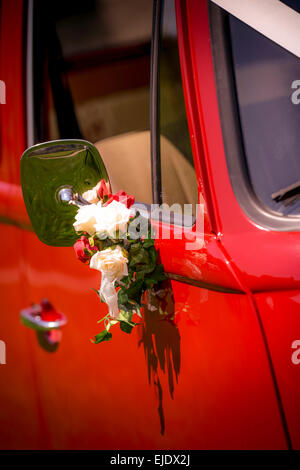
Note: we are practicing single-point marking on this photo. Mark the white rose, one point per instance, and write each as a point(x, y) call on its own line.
point(85, 218)
point(91, 196)
point(111, 262)
point(113, 266)
point(113, 217)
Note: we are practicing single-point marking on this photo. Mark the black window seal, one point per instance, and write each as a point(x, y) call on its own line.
point(231, 129)
point(154, 102)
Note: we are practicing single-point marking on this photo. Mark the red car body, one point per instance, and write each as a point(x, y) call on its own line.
point(221, 377)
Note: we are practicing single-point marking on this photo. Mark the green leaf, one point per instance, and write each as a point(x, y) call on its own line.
point(149, 266)
point(140, 275)
point(152, 253)
point(125, 280)
point(135, 247)
point(122, 296)
point(125, 307)
point(126, 324)
point(137, 308)
point(135, 290)
point(128, 241)
point(140, 259)
point(156, 276)
point(95, 290)
point(103, 336)
point(148, 242)
point(126, 327)
point(126, 315)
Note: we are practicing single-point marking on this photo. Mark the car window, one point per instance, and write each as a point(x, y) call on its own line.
point(92, 79)
point(178, 175)
point(106, 51)
point(267, 79)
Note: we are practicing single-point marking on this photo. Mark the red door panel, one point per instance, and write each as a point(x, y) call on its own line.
point(280, 314)
point(120, 393)
point(21, 424)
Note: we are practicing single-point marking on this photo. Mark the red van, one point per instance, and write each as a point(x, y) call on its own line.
point(187, 102)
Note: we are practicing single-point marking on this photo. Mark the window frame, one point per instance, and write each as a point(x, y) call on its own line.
point(155, 102)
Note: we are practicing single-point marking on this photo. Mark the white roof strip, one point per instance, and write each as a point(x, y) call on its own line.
point(272, 18)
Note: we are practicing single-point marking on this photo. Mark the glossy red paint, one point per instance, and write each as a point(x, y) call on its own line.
point(280, 316)
point(209, 380)
point(12, 207)
point(12, 114)
point(205, 379)
point(20, 411)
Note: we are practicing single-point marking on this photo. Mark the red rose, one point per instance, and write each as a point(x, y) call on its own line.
point(103, 190)
point(123, 197)
point(81, 247)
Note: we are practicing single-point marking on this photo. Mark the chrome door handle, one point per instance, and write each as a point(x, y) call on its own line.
point(43, 317)
point(47, 323)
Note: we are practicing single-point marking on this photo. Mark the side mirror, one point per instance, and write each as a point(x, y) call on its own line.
point(51, 173)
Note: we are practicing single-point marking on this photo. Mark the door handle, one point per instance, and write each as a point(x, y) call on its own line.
point(46, 321)
point(43, 317)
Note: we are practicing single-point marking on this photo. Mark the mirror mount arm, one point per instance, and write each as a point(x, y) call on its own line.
point(66, 196)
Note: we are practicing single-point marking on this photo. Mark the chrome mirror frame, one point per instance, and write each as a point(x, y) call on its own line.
point(53, 174)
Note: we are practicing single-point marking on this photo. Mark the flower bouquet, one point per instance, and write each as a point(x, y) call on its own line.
point(117, 241)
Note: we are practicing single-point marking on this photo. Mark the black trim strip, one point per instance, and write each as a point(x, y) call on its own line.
point(154, 103)
point(253, 304)
point(204, 285)
point(274, 377)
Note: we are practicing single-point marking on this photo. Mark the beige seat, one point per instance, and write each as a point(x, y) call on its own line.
point(127, 160)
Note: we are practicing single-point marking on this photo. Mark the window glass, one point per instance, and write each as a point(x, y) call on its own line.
point(178, 174)
point(267, 78)
point(99, 79)
point(93, 62)
point(106, 50)
point(103, 24)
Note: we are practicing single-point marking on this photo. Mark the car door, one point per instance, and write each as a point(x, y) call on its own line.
point(199, 376)
point(260, 133)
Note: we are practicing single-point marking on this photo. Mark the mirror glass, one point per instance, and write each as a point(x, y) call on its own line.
point(49, 170)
